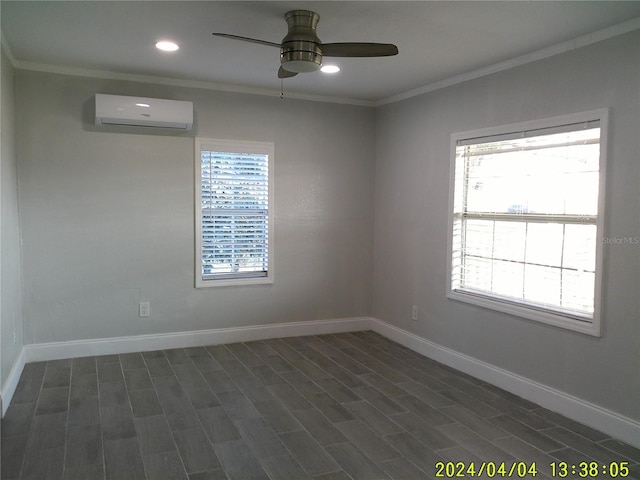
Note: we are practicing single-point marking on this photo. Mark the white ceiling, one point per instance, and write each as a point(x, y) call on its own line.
point(437, 40)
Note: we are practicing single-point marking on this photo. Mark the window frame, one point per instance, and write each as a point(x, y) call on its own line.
point(243, 147)
point(514, 307)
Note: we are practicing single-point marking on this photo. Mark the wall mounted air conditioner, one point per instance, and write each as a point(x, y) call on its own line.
point(143, 112)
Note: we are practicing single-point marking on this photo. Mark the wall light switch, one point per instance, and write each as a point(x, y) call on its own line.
point(144, 309)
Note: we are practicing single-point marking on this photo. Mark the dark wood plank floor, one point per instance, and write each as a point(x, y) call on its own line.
point(331, 407)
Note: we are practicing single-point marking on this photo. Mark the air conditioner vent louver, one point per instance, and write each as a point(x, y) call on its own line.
point(143, 112)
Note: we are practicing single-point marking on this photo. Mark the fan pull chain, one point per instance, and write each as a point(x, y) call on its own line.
point(281, 89)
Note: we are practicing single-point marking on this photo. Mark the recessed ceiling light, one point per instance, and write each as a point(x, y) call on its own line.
point(166, 46)
point(330, 69)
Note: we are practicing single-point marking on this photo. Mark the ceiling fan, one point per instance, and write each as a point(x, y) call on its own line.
point(301, 50)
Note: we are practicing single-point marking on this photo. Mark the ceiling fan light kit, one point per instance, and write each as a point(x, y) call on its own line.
point(301, 50)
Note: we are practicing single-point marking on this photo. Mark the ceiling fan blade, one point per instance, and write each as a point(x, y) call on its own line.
point(247, 39)
point(354, 49)
point(282, 73)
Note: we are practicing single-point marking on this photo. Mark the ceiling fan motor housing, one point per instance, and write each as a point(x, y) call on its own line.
point(300, 50)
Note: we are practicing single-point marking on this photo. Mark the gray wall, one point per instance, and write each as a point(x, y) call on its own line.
point(108, 214)
point(11, 319)
point(411, 206)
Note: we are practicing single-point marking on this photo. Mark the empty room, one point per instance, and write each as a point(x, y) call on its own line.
point(323, 240)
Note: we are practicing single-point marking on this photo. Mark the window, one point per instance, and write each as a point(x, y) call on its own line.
point(527, 204)
point(234, 215)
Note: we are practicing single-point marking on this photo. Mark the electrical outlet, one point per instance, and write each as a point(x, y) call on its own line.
point(414, 313)
point(144, 309)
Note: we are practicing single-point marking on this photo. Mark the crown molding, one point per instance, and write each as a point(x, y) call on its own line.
point(181, 82)
point(569, 45)
point(7, 49)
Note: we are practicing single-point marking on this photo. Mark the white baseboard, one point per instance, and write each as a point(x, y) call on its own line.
point(141, 343)
point(42, 352)
point(594, 416)
point(611, 423)
point(11, 383)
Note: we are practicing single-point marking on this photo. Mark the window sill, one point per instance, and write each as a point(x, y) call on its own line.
point(233, 282)
point(549, 317)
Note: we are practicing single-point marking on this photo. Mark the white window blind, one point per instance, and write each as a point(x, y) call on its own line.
point(234, 212)
point(526, 217)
